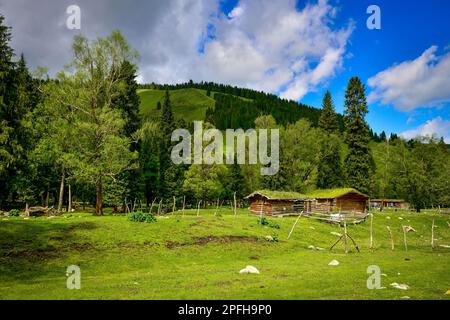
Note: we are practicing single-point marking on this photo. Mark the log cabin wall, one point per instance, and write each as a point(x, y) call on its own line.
point(270, 207)
point(351, 202)
point(321, 206)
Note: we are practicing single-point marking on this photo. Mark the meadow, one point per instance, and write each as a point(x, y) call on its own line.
point(199, 257)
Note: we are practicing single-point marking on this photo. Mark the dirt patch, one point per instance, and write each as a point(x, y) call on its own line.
point(136, 245)
point(33, 254)
point(202, 241)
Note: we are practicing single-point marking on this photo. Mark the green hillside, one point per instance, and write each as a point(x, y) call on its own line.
point(188, 104)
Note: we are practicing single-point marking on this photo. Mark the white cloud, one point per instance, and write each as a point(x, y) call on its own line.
point(271, 46)
point(437, 126)
point(423, 82)
point(265, 45)
point(236, 12)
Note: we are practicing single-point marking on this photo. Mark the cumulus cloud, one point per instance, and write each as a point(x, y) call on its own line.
point(422, 82)
point(269, 45)
point(437, 126)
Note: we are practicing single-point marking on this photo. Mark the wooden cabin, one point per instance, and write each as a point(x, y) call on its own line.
point(344, 200)
point(389, 203)
point(326, 201)
point(269, 202)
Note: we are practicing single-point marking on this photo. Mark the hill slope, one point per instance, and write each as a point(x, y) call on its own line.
point(188, 104)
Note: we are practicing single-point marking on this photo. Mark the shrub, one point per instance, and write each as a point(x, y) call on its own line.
point(139, 216)
point(264, 222)
point(14, 213)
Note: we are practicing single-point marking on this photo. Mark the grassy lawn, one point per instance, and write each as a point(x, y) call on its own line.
point(187, 104)
point(190, 257)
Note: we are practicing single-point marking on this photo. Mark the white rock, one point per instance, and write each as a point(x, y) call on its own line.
point(400, 218)
point(389, 218)
point(444, 246)
point(268, 238)
point(312, 228)
point(384, 274)
point(401, 286)
point(333, 263)
point(315, 248)
point(249, 269)
point(336, 234)
point(405, 297)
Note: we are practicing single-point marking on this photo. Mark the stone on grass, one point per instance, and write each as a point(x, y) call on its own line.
point(249, 269)
point(315, 248)
point(401, 286)
point(333, 263)
point(405, 297)
point(268, 238)
point(448, 292)
point(336, 234)
point(444, 246)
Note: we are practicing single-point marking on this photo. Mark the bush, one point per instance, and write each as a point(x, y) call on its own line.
point(264, 222)
point(14, 213)
point(139, 216)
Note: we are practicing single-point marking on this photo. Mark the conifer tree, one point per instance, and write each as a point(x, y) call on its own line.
point(329, 168)
point(358, 163)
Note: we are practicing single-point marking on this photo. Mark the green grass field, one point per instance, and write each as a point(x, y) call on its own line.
point(187, 104)
point(199, 257)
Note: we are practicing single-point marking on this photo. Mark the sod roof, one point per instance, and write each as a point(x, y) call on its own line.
point(278, 195)
point(332, 193)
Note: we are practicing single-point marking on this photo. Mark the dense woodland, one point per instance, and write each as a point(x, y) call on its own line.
point(79, 136)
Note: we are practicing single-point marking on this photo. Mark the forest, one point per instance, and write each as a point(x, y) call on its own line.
point(79, 139)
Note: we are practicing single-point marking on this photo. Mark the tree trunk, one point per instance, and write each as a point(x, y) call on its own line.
point(69, 209)
point(47, 197)
point(98, 199)
point(61, 191)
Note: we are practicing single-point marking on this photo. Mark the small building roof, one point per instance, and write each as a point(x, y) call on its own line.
point(278, 195)
point(387, 200)
point(333, 193)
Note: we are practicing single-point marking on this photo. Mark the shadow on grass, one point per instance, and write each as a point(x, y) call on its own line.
point(27, 248)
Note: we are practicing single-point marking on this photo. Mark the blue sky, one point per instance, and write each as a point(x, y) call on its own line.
point(408, 28)
point(297, 49)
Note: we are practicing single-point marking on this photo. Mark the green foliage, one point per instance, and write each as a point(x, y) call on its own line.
point(267, 223)
point(14, 213)
point(139, 216)
point(328, 121)
point(358, 164)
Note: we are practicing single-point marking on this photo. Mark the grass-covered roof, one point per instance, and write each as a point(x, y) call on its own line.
point(278, 195)
point(317, 194)
point(332, 193)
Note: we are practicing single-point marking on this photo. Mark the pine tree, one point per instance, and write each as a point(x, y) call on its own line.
point(166, 126)
point(236, 181)
point(17, 97)
point(328, 119)
point(358, 163)
point(329, 168)
point(128, 100)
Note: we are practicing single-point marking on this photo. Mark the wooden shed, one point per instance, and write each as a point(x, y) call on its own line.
point(345, 200)
point(270, 202)
point(389, 203)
